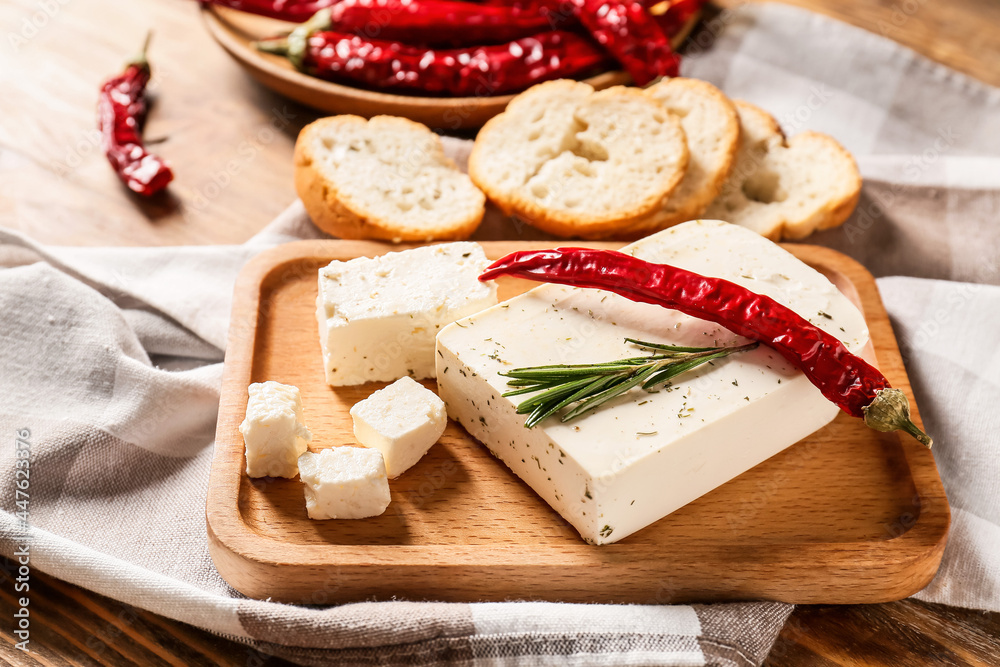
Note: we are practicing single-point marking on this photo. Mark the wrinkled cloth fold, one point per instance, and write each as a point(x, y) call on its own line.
point(111, 362)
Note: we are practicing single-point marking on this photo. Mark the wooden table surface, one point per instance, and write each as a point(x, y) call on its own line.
point(230, 143)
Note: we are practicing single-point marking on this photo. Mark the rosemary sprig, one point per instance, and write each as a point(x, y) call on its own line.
point(590, 385)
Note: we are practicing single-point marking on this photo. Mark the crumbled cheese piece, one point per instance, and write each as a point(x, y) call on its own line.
point(402, 421)
point(344, 483)
point(378, 316)
point(273, 430)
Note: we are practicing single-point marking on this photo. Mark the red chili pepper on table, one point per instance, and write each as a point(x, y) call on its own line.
point(480, 71)
point(632, 36)
point(121, 111)
point(847, 380)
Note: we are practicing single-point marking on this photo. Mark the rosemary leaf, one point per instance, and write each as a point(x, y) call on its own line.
point(589, 386)
point(530, 388)
point(676, 369)
point(525, 382)
point(563, 370)
point(606, 395)
point(542, 412)
point(557, 392)
point(669, 348)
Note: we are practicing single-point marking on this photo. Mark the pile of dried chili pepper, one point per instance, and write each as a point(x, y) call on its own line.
point(461, 72)
point(847, 380)
point(121, 112)
point(426, 46)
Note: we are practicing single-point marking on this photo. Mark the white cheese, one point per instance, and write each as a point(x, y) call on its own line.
point(644, 455)
point(402, 421)
point(273, 430)
point(378, 316)
point(344, 483)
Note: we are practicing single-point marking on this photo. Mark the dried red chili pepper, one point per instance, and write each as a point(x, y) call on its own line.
point(480, 71)
point(296, 11)
point(446, 22)
point(632, 36)
point(673, 15)
point(121, 111)
point(421, 22)
point(847, 380)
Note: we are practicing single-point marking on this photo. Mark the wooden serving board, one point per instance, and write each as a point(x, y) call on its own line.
point(847, 515)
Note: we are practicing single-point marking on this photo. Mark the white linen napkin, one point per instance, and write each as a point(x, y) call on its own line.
point(110, 363)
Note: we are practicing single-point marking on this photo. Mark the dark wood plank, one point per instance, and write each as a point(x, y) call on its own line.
point(895, 634)
point(47, 653)
point(71, 626)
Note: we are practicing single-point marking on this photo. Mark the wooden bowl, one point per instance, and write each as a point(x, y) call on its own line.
point(235, 31)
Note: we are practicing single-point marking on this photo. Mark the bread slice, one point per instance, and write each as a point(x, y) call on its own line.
point(712, 129)
point(786, 189)
point(575, 162)
point(384, 178)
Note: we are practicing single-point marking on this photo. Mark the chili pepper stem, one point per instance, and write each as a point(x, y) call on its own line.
point(659, 9)
point(276, 46)
point(890, 411)
point(140, 60)
point(298, 39)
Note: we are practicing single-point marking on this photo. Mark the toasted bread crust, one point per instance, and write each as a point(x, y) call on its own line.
point(708, 116)
point(338, 213)
point(574, 102)
point(837, 210)
point(800, 203)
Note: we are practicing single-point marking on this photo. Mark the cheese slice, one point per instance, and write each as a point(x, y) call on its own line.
point(642, 456)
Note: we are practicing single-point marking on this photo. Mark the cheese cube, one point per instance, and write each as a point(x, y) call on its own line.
point(344, 483)
point(643, 455)
point(402, 421)
point(378, 316)
point(273, 430)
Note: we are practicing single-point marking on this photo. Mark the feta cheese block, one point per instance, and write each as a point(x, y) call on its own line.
point(273, 431)
point(344, 483)
point(402, 421)
point(643, 455)
point(378, 316)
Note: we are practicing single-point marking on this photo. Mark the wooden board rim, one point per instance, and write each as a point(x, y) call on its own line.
point(234, 545)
